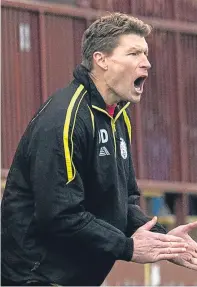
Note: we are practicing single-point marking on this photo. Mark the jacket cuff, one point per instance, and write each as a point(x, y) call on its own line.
point(128, 250)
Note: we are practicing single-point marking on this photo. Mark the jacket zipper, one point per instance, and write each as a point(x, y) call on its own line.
point(113, 125)
point(113, 121)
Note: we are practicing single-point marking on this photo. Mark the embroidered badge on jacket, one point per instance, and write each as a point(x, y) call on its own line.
point(123, 148)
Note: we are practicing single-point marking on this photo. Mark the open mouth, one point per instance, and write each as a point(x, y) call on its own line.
point(139, 83)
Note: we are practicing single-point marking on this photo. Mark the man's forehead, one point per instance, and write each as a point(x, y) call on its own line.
point(133, 41)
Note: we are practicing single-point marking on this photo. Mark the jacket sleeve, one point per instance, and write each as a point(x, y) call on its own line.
point(57, 183)
point(136, 217)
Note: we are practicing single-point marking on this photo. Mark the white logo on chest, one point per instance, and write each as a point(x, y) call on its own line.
point(123, 148)
point(103, 136)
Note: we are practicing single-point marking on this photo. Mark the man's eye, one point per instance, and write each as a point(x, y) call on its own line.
point(133, 53)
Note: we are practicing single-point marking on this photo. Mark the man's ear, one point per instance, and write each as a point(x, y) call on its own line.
point(99, 59)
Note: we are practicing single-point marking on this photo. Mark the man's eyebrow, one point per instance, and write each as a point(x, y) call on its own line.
point(138, 49)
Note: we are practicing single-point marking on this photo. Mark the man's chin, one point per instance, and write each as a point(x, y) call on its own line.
point(135, 98)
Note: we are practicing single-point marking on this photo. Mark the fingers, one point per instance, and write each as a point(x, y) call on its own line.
point(149, 224)
point(192, 250)
point(171, 244)
point(169, 238)
point(190, 265)
point(191, 255)
point(167, 256)
point(171, 250)
point(194, 261)
point(170, 253)
point(194, 244)
point(189, 227)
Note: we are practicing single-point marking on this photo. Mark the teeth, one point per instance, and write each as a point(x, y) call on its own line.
point(138, 89)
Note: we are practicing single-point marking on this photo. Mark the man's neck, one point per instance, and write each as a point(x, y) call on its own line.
point(109, 98)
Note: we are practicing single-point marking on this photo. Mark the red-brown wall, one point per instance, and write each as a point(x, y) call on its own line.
point(23, 68)
point(21, 95)
point(63, 39)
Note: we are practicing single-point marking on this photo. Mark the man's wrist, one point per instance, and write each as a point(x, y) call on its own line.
point(128, 251)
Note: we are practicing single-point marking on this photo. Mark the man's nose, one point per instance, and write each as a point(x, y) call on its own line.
point(145, 63)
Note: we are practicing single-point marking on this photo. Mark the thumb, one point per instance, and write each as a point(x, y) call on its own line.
point(149, 224)
point(190, 226)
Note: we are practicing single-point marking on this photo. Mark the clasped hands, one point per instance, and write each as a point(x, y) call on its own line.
point(176, 246)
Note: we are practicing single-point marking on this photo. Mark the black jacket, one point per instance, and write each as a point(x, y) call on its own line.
point(70, 202)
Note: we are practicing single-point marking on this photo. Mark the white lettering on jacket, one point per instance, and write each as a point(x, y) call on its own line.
point(103, 136)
